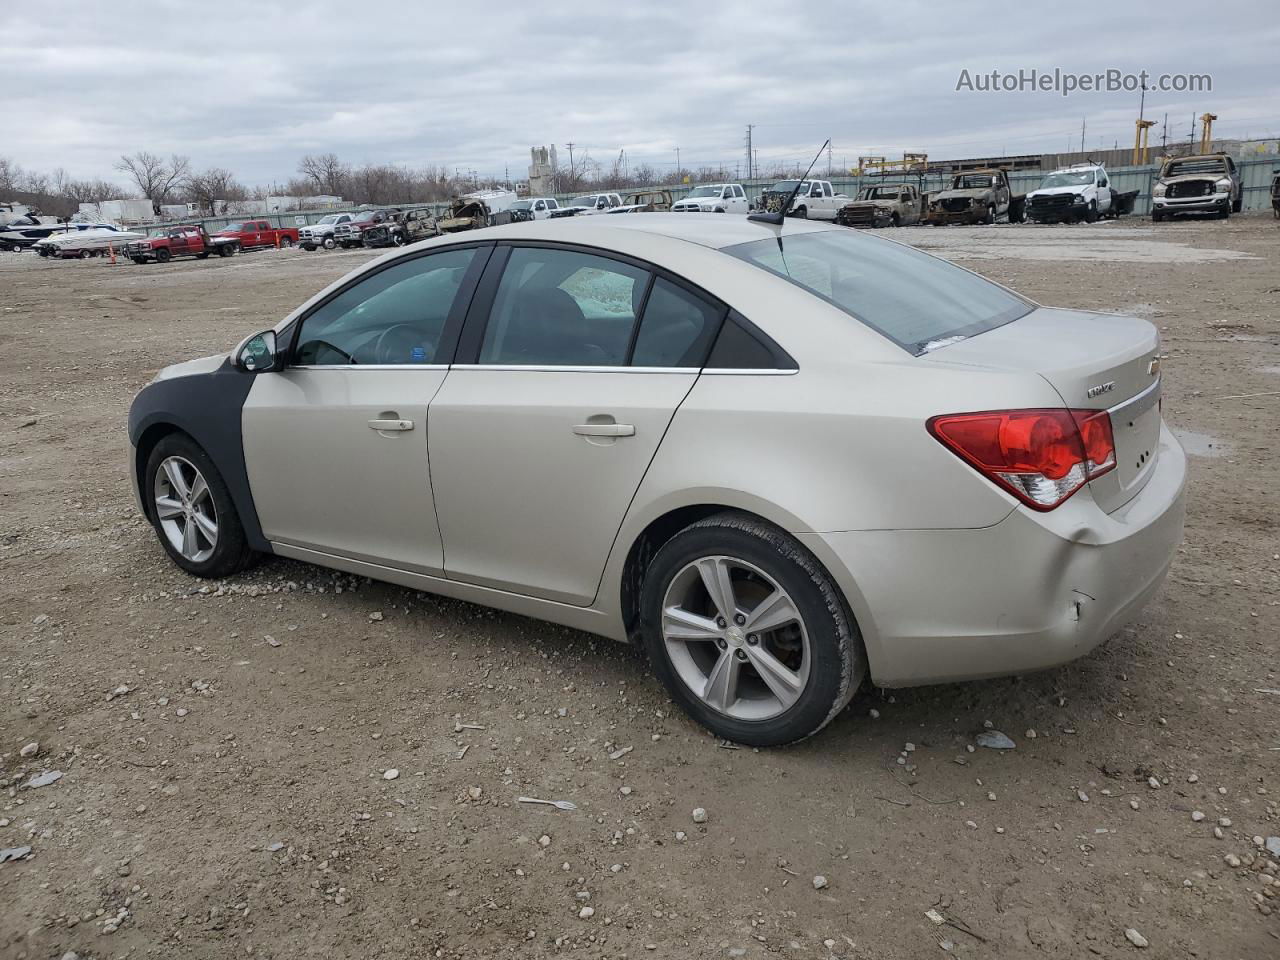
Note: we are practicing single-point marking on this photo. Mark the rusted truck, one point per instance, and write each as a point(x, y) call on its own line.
point(976, 196)
point(1202, 184)
point(883, 205)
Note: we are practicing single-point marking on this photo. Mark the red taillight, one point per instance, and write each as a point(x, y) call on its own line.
point(1040, 456)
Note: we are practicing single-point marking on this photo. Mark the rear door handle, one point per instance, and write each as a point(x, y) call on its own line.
point(390, 425)
point(605, 430)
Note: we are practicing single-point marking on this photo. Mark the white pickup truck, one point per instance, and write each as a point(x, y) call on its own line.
point(713, 198)
point(321, 233)
point(1079, 192)
point(815, 199)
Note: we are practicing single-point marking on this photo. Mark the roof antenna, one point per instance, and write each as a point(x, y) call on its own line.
point(777, 218)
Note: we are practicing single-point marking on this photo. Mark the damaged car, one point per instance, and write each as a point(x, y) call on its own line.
point(883, 205)
point(975, 196)
point(1203, 184)
point(412, 226)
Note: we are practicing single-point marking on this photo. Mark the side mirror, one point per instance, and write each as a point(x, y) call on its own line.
point(257, 353)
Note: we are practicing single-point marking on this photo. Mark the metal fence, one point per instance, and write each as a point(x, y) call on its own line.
point(1255, 178)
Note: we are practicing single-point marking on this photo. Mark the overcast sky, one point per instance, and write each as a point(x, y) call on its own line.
point(252, 85)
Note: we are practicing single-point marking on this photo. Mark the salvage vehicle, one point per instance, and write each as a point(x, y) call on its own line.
point(1202, 184)
point(588, 204)
point(184, 240)
point(883, 205)
point(94, 242)
point(976, 196)
point(645, 201)
point(1082, 191)
point(533, 208)
point(486, 208)
point(713, 198)
point(320, 233)
point(412, 226)
point(815, 200)
point(251, 234)
point(351, 233)
point(1275, 194)
point(644, 427)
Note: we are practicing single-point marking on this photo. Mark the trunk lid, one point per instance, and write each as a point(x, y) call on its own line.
point(1094, 361)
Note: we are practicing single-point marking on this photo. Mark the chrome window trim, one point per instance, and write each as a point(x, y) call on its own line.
point(554, 368)
point(748, 372)
point(368, 366)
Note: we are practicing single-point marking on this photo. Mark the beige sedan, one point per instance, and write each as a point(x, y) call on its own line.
point(785, 458)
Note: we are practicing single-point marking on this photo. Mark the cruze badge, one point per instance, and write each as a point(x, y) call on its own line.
point(1101, 388)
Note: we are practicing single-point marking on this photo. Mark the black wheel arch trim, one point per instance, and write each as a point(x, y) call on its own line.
point(207, 407)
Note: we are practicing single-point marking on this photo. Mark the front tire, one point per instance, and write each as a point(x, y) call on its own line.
point(329, 243)
point(162, 255)
point(191, 510)
point(748, 633)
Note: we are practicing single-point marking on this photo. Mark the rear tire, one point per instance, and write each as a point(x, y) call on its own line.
point(805, 629)
point(286, 243)
point(177, 456)
point(802, 213)
point(203, 256)
point(85, 254)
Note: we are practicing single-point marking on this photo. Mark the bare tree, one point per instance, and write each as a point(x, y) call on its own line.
point(326, 172)
point(154, 176)
point(11, 177)
point(215, 184)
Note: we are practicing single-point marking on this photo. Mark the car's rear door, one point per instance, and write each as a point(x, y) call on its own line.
point(336, 443)
point(553, 411)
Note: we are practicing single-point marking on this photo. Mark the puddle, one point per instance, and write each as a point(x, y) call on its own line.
point(1200, 444)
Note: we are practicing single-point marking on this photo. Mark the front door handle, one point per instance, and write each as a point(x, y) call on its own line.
point(605, 430)
point(390, 425)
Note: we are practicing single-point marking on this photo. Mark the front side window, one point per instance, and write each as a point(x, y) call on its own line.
point(394, 316)
point(913, 299)
point(563, 308)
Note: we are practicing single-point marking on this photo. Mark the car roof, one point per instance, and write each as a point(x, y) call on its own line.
point(714, 230)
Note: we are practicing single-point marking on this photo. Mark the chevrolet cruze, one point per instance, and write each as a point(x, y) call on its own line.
point(784, 458)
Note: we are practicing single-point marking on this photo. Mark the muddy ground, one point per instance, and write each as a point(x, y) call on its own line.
point(223, 794)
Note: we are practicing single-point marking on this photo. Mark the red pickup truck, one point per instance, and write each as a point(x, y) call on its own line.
point(259, 233)
point(185, 240)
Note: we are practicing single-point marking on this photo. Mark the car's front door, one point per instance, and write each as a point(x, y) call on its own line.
point(571, 367)
point(336, 443)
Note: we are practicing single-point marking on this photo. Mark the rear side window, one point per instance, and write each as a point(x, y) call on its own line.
point(915, 300)
point(563, 308)
point(677, 328)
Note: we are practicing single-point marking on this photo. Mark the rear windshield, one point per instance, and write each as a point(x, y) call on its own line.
point(917, 301)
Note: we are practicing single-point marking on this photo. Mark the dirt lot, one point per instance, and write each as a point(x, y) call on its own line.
point(223, 793)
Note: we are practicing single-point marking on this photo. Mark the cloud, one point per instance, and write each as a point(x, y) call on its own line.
point(252, 86)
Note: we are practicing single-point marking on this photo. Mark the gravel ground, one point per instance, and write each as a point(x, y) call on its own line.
point(227, 750)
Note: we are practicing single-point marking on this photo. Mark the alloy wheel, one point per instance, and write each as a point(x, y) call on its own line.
point(736, 638)
point(184, 506)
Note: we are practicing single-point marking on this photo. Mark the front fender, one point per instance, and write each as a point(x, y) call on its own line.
point(207, 407)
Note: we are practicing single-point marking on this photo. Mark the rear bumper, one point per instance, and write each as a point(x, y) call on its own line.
point(1033, 591)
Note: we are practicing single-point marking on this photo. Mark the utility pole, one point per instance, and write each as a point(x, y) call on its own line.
point(677, 163)
point(572, 175)
point(750, 126)
point(1164, 133)
point(1082, 134)
point(828, 158)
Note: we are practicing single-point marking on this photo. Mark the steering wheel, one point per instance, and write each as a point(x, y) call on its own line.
point(387, 350)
